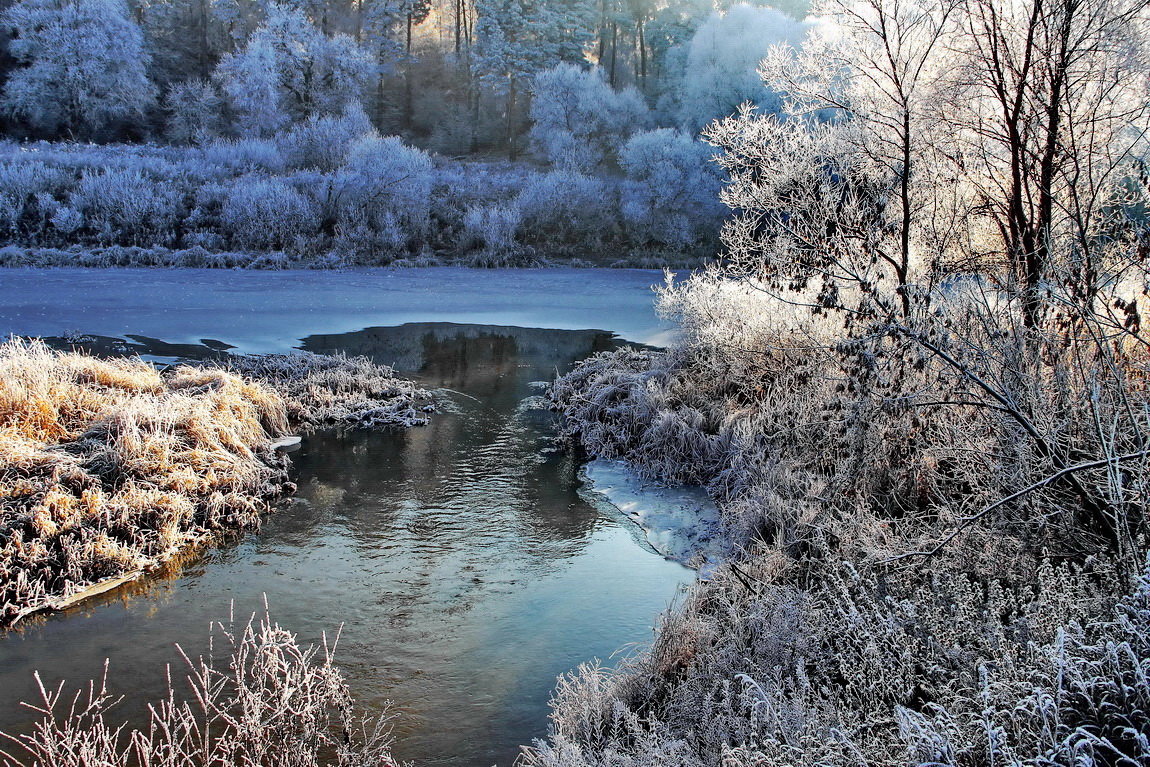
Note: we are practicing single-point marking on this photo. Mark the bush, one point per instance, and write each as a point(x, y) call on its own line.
point(671, 195)
point(369, 199)
point(22, 182)
point(266, 213)
point(491, 228)
point(127, 207)
point(322, 141)
point(386, 185)
point(245, 155)
point(566, 208)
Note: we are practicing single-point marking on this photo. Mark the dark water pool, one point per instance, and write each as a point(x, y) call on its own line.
point(461, 559)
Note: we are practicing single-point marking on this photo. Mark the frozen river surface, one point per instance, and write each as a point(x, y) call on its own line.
point(261, 311)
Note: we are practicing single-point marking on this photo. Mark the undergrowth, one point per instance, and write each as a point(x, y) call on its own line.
point(916, 581)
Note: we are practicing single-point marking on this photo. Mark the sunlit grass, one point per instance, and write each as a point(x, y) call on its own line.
point(109, 467)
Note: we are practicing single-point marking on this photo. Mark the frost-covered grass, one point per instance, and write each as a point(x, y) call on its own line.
point(853, 668)
point(108, 467)
point(258, 697)
point(335, 391)
point(331, 192)
point(915, 582)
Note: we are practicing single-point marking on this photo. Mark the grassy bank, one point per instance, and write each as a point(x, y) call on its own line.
point(108, 467)
point(926, 573)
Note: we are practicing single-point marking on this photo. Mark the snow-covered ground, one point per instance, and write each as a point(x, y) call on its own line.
point(681, 523)
point(261, 311)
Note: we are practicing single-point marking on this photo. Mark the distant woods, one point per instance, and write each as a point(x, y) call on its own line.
point(372, 131)
point(453, 76)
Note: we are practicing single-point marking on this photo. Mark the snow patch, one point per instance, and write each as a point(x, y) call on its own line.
point(680, 523)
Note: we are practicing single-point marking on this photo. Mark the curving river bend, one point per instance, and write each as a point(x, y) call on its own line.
point(465, 564)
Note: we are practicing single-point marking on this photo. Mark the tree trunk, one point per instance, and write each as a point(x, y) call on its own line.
point(511, 121)
point(408, 92)
point(614, 50)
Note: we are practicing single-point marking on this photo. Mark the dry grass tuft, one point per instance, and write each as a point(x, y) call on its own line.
point(109, 467)
point(273, 703)
point(324, 391)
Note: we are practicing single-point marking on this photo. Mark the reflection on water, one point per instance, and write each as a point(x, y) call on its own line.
point(459, 556)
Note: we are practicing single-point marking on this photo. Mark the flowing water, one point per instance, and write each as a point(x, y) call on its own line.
point(464, 563)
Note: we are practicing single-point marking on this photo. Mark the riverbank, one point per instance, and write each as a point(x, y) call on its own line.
point(909, 581)
point(346, 199)
point(110, 467)
point(198, 257)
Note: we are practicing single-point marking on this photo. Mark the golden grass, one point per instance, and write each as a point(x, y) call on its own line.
point(107, 466)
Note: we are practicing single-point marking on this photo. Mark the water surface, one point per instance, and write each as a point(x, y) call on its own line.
point(466, 567)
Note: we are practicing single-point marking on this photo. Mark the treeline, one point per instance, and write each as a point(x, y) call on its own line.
point(244, 128)
point(453, 76)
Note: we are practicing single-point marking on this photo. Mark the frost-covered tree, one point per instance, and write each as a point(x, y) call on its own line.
point(289, 70)
point(671, 195)
point(722, 60)
point(85, 67)
point(867, 180)
point(1053, 112)
point(187, 38)
point(515, 39)
point(578, 120)
point(193, 111)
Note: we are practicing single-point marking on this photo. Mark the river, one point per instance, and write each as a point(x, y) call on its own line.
point(464, 562)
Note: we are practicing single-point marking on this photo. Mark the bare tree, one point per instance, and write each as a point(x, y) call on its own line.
point(1052, 106)
point(841, 189)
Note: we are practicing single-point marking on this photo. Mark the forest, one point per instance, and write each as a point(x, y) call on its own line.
point(275, 134)
point(907, 365)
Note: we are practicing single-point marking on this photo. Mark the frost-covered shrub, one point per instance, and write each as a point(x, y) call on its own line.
point(671, 195)
point(245, 155)
point(322, 141)
point(22, 180)
point(578, 120)
point(722, 63)
point(386, 185)
point(491, 227)
point(564, 207)
point(266, 213)
point(66, 219)
point(126, 206)
point(21, 183)
point(193, 112)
